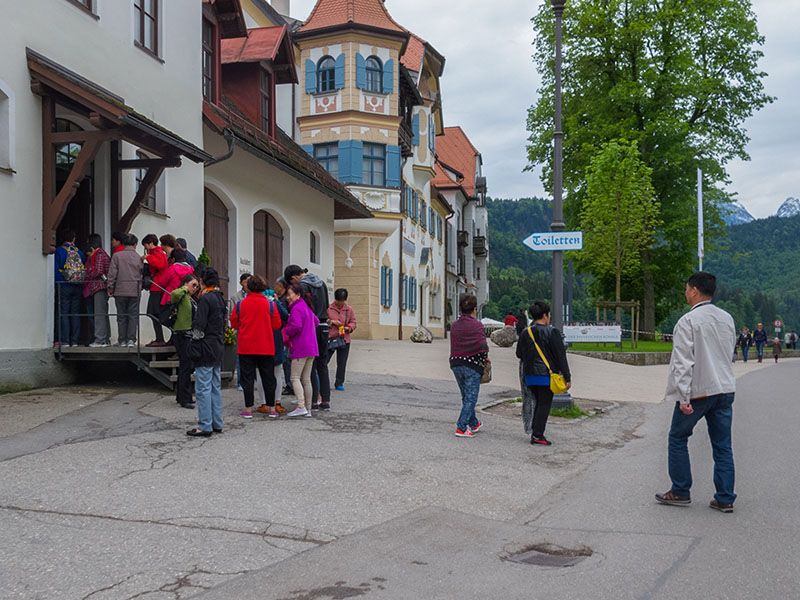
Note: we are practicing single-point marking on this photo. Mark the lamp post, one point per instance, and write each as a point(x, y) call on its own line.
point(559, 400)
point(558, 209)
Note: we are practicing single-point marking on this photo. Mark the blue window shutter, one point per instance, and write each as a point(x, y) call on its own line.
point(392, 166)
point(388, 76)
point(361, 72)
point(309, 148)
point(391, 287)
point(339, 72)
point(415, 129)
point(356, 161)
point(311, 77)
point(383, 285)
point(404, 293)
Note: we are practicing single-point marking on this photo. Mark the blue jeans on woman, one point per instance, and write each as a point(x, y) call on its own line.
point(69, 297)
point(718, 411)
point(208, 394)
point(469, 382)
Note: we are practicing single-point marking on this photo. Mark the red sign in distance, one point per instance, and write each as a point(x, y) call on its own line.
point(778, 323)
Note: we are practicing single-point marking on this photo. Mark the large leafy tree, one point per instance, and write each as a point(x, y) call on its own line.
point(676, 77)
point(619, 216)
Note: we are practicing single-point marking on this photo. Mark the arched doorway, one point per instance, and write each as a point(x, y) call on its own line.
point(267, 246)
point(215, 235)
point(79, 216)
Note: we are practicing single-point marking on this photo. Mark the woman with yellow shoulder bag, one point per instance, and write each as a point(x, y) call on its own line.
point(544, 366)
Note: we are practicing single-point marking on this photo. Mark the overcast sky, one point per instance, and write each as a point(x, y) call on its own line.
point(490, 81)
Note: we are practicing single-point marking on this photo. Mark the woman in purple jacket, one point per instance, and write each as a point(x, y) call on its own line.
point(300, 335)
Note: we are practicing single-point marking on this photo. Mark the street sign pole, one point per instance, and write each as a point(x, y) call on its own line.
point(557, 310)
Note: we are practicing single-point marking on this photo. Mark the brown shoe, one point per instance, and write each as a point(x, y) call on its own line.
point(279, 408)
point(263, 409)
point(726, 508)
point(673, 500)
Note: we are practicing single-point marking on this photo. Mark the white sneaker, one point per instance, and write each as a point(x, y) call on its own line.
point(308, 414)
point(298, 412)
point(98, 345)
point(131, 344)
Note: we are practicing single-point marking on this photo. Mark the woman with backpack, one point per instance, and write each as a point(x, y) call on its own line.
point(69, 276)
point(255, 318)
point(182, 298)
point(300, 335)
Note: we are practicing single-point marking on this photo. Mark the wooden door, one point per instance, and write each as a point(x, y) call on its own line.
point(267, 246)
point(215, 235)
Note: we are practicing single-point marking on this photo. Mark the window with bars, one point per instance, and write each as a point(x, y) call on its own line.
point(266, 93)
point(150, 200)
point(374, 165)
point(328, 156)
point(146, 24)
point(209, 56)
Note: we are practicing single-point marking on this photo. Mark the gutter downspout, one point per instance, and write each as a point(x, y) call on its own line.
point(400, 269)
point(446, 265)
point(229, 137)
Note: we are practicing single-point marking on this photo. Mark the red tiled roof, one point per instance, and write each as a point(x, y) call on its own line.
point(412, 57)
point(260, 44)
point(455, 150)
point(331, 13)
point(443, 180)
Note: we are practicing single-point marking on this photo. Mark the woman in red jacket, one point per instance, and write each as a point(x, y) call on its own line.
point(256, 318)
point(156, 261)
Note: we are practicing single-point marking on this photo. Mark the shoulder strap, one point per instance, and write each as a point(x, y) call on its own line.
point(539, 350)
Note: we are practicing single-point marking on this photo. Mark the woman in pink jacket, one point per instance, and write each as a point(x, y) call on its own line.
point(300, 334)
point(171, 278)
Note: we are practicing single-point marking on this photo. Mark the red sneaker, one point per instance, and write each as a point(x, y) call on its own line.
point(466, 433)
point(477, 427)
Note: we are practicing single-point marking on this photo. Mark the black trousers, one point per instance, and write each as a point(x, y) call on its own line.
point(265, 364)
point(183, 388)
point(341, 363)
point(154, 312)
point(323, 386)
point(544, 400)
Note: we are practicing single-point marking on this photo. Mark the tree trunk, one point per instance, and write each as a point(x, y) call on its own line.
point(648, 322)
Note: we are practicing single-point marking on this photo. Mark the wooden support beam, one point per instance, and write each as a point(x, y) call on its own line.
point(67, 137)
point(115, 184)
point(150, 179)
point(48, 173)
point(146, 163)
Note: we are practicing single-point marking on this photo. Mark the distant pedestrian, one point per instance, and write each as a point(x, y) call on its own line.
point(118, 241)
point(542, 351)
point(312, 284)
point(760, 340)
point(280, 295)
point(744, 341)
point(510, 320)
point(95, 291)
point(205, 350)
point(125, 286)
point(300, 335)
point(793, 340)
point(235, 299)
point(342, 320)
point(776, 349)
point(69, 276)
point(522, 322)
point(787, 339)
point(255, 318)
point(469, 353)
point(702, 384)
point(190, 258)
point(183, 297)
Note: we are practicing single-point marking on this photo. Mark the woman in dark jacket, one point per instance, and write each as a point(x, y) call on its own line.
point(206, 351)
point(469, 352)
point(534, 369)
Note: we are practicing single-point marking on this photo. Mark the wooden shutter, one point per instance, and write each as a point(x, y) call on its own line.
point(274, 249)
point(215, 234)
point(260, 243)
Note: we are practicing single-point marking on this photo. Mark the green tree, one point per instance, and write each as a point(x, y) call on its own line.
point(678, 78)
point(619, 216)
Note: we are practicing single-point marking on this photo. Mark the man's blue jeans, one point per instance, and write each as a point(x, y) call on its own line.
point(469, 382)
point(760, 350)
point(718, 412)
point(69, 296)
point(745, 349)
point(208, 393)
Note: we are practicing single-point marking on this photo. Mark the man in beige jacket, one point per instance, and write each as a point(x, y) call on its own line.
point(702, 384)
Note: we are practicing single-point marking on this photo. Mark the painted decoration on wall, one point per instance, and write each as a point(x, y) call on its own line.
point(325, 104)
point(374, 104)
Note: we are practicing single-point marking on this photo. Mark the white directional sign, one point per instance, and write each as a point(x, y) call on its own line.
point(554, 240)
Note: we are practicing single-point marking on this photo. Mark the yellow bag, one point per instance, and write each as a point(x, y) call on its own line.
point(558, 384)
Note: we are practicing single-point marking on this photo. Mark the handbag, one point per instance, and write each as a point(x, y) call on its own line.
point(558, 384)
point(486, 377)
point(335, 343)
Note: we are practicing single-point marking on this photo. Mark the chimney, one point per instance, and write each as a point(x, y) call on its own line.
point(281, 6)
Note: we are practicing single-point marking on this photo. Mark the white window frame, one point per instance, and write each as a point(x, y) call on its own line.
point(8, 128)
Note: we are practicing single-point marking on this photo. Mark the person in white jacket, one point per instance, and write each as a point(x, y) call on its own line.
point(702, 384)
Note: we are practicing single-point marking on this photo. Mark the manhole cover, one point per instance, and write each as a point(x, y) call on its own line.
point(550, 555)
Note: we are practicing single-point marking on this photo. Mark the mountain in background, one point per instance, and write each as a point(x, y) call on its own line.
point(734, 213)
point(789, 208)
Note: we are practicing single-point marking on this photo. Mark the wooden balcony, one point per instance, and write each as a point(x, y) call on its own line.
point(479, 246)
point(405, 137)
point(462, 238)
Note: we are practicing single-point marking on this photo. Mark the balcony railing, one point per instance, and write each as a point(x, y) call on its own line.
point(479, 245)
point(463, 237)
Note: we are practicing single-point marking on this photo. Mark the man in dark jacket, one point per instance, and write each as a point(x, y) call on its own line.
point(759, 339)
point(206, 352)
point(313, 285)
point(536, 371)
